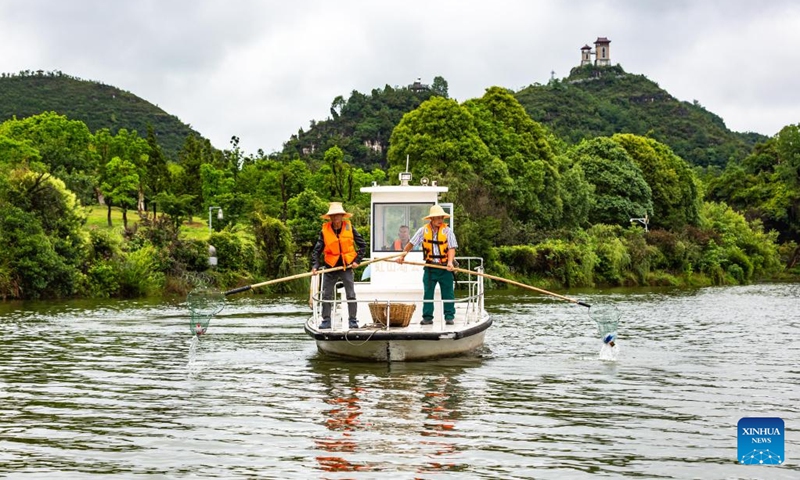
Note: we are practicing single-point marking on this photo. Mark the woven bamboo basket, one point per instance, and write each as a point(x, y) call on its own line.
point(399, 313)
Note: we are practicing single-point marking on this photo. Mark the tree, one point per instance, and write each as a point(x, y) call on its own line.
point(121, 186)
point(13, 152)
point(340, 178)
point(742, 249)
point(531, 184)
point(788, 146)
point(765, 186)
point(196, 152)
point(42, 244)
point(275, 244)
point(233, 159)
point(218, 189)
point(439, 87)
point(440, 137)
point(336, 106)
point(620, 190)
point(157, 179)
point(304, 211)
point(675, 192)
point(130, 147)
point(787, 172)
point(290, 181)
point(577, 196)
point(177, 207)
point(490, 151)
point(64, 145)
point(524, 172)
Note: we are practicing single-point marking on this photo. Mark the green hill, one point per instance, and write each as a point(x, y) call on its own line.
point(602, 101)
point(590, 102)
point(361, 125)
point(96, 104)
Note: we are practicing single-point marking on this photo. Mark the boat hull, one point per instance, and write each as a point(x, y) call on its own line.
point(399, 344)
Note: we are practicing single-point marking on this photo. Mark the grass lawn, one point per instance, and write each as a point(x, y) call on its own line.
point(97, 219)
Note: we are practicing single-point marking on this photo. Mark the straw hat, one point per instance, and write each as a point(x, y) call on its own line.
point(436, 211)
point(335, 208)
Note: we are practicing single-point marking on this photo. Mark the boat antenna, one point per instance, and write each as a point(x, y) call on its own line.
point(405, 177)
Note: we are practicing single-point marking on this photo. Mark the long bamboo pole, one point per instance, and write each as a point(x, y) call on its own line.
point(302, 275)
point(501, 279)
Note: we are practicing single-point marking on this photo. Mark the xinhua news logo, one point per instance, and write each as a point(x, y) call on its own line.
point(761, 441)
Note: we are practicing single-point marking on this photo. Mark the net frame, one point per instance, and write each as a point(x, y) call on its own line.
point(203, 304)
point(607, 318)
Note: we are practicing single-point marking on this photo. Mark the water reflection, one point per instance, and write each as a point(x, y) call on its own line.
point(441, 405)
point(371, 409)
point(341, 412)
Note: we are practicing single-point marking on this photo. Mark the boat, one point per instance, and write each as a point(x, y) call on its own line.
point(391, 298)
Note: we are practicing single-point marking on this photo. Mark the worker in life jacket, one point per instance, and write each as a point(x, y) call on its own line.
point(439, 248)
point(340, 245)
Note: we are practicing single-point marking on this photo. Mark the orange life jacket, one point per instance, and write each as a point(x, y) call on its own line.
point(428, 242)
point(341, 246)
point(398, 244)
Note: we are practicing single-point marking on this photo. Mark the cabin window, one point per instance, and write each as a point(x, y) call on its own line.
point(391, 221)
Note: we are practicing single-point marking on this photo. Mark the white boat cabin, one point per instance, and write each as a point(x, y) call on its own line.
point(392, 208)
point(388, 283)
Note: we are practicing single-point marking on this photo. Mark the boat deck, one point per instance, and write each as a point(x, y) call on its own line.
point(464, 320)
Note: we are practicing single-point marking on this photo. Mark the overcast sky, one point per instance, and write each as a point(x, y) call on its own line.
point(262, 69)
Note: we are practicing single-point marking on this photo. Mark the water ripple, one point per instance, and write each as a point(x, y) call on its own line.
point(122, 389)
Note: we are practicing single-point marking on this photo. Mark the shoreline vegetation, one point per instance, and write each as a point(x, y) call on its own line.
point(109, 214)
point(599, 258)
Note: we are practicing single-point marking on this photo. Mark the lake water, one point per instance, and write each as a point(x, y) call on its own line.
point(120, 389)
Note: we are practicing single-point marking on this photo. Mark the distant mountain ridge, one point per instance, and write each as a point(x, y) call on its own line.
point(97, 105)
point(601, 101)
point(591, 102)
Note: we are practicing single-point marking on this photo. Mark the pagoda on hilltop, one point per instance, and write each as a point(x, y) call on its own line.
point(602, 53)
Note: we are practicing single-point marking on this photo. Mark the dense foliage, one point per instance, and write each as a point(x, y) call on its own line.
point(676, 197)
point(362, 124)
point(766, 186)
point(537, 208)
point(603, 101)
point(42, 243)
point(97, 105)
point(620, 188)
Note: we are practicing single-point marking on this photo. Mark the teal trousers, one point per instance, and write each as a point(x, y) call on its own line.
point(444, 278)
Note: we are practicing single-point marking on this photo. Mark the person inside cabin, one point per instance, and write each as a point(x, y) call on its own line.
point(403, 236)
point(439, 246)
point(340, 245)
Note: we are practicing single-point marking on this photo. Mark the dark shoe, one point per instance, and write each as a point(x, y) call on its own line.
point(426, 321)
point(449, 321)
point(326, 324)
point(353, 323)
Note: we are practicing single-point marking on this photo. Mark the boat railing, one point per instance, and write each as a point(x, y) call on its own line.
point(474, 301)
